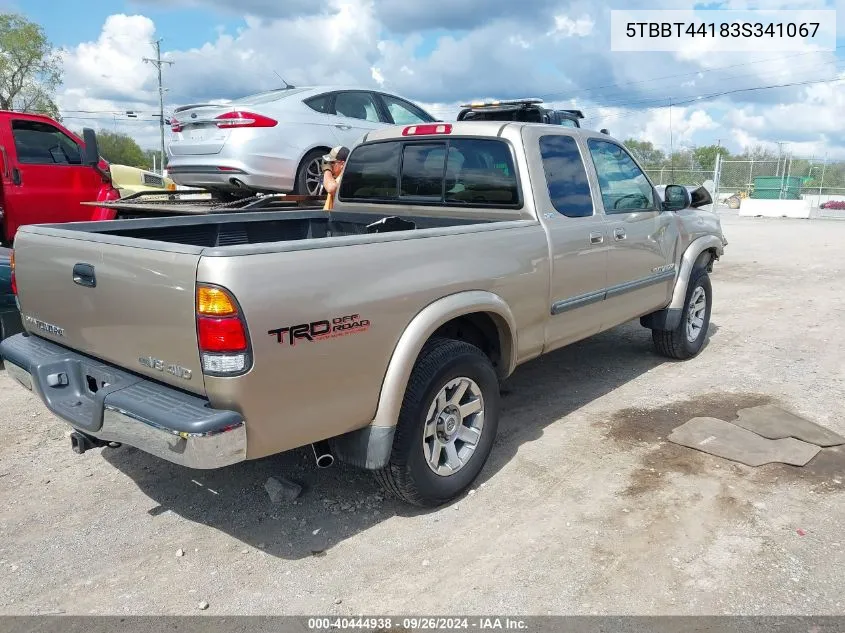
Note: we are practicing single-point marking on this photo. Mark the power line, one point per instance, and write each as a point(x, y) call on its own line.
point(609, 100)
point(687, 74)
point(158, 62)
point(714, 95)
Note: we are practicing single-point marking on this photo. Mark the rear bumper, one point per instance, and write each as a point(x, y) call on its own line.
point(261, 173)
point(122, 407)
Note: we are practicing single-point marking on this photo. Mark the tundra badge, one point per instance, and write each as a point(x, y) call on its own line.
point(49, 328)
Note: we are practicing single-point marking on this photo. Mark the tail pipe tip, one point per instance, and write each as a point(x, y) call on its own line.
point(322, 454)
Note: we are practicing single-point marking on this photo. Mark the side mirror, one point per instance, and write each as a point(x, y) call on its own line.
point(676, 198)
point(91, 152)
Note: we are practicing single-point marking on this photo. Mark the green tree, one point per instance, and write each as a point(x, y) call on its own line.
point(648, 156)
point(30, 69)
point(758, 153)
point(121, 149)
point(705, 156)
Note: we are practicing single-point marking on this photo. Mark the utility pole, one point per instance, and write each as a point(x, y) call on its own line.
point(157, 62)
point(671, 143)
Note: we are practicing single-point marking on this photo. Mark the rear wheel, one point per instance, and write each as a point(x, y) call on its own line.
point(446, 426)
point(309, 177)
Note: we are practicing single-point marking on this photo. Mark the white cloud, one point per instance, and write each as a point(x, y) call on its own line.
point(346, 42)
point(567, 27)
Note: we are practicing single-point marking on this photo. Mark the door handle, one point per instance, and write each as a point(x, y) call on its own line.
point(16, 176)
point(340, 126)
point(619, 234)
point(596, 238)
point(83, 274)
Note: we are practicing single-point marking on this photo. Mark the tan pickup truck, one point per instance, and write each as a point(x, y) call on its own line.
point(379, 332)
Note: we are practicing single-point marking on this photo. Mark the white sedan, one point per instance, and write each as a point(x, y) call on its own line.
point(274, 141)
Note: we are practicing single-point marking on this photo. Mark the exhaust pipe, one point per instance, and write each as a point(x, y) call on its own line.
point(322, 454)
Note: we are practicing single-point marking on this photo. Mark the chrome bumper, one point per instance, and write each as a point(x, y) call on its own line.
point(149, 416)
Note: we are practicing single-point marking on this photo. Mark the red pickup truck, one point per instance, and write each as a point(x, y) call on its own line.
point(44, 177)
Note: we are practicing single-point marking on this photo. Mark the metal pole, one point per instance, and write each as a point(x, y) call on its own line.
point(750, 176)
point(717, 176)
point(821, 183)
point(671, 143)
point(157, 62)
point(788, 172)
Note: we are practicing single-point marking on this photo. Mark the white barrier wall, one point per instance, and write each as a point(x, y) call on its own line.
point(775, 208)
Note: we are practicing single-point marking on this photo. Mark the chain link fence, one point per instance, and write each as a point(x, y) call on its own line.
point(670, 176)
point(820, 182)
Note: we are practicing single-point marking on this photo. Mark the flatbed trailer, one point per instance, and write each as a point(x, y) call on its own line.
point(202, 202)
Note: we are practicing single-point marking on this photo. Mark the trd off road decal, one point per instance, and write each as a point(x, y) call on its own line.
point(321, 330)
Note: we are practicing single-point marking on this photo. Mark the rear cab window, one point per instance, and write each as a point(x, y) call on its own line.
point(566, 176)
point(448, 172)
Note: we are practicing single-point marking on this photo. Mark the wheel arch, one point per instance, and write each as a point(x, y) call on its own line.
point(699, 254)
point(477, 309)
point(474, 313)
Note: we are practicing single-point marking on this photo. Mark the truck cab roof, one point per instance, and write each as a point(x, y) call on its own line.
point(477, 128)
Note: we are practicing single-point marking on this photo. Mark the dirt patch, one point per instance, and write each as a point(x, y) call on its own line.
point(637, 426)
point(645, 426)
point(641, 426)
point(824, 473)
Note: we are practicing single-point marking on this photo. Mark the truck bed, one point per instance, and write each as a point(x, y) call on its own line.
point(263, 227)
point(123, 291)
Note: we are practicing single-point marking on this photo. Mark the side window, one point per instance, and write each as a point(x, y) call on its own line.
point(624, 187)
point(404, 113)
point(480, 171)
point(356, 105)
point(422, 170)
point(567, 122)
point(371, 173)
point(319, 103)
point(566, 178)
point(38, 143)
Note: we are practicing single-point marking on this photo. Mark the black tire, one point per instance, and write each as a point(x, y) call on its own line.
point(407, 474)
point(301, 185)
point(675, 344)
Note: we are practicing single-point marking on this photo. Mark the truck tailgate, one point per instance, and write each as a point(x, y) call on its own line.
point(138, 311)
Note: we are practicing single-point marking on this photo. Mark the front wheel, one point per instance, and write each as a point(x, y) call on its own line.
point(446, 426)
point(687, 340)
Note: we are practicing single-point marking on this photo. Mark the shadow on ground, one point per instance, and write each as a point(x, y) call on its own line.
point(343, 501)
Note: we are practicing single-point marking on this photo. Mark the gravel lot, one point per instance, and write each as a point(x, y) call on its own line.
point(583, 508)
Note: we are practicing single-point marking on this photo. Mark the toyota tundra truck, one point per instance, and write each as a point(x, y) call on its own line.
point(378, 332)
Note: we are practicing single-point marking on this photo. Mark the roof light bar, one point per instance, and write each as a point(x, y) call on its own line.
point(498, 102)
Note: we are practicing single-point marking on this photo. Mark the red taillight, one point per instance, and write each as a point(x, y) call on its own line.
point(221, 335)
point(175, 126)
point(428, 128)
point(239, 118)
point(12, 268)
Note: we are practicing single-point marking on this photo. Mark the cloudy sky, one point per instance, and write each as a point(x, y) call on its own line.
point(441, 53)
